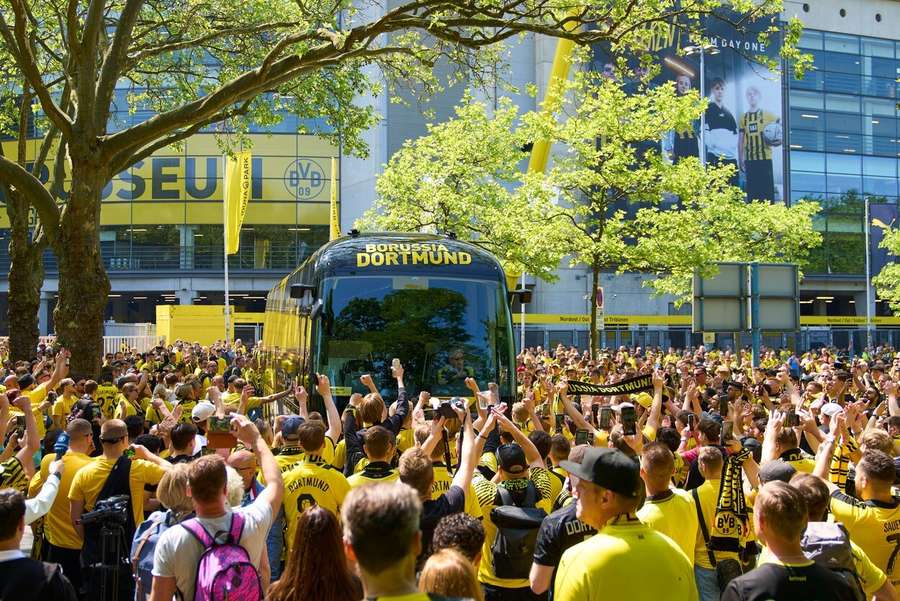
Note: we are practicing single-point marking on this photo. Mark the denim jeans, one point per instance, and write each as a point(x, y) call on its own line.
point(275, 543)
point(707, 583)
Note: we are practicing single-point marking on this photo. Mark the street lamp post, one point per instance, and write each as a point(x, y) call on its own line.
point(866, 226)
point(702, 50)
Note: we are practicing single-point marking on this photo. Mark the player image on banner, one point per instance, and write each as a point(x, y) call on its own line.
point(742, 121)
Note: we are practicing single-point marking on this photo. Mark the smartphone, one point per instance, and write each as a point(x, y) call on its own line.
point(726, 434)
point(791, 420)
point(20, 422)
point(692, 421)
point(723, 406)
point(429, 413)
point(605, 418)
point(629, 421)
point(584, 437)
point(219, 425)
point(395, 365)
point(559, 420)
point(483, 402)
point(594, 410)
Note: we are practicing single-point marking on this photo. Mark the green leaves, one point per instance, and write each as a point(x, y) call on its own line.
point(609, 200)
point(887, 282)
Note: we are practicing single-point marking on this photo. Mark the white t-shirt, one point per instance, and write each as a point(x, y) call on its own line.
point(178, 552)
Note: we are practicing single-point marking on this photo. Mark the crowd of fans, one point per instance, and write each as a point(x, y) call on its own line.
point(171, 478)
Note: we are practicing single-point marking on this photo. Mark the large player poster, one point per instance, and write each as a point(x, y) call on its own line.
point(743, 121)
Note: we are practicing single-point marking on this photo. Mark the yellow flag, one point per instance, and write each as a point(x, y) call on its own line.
point(237, 194)
point(334, 220)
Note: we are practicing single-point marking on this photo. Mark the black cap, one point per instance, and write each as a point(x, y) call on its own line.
point(511, 458)
point(610, 469)
point(25, 381)
point(776, 470)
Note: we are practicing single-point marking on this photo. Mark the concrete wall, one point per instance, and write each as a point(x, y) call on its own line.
point(859, 16)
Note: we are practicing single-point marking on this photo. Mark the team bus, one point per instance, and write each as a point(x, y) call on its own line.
point(434, 302)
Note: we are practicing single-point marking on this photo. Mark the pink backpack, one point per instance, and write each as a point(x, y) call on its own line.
point(224, 572)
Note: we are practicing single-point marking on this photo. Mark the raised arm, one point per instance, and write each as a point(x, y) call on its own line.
point(367, 381)
point(32, 440)
point(302, 398)
point(468, 459)
point(248, 435)
point(60, 369)
point(334, 418)
point(656, 408)
point(532, 455)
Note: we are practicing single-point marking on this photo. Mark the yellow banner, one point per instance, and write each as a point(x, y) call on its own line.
point(238, 175)
point(334, 220)
point(685, 320)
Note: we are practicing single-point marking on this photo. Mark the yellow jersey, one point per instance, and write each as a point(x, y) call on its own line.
point(89, 481)
point(442, 480)
point(58, 524)
point(487, 493)
point(672, 513)
point(374, 473)
point(874, 526)
point(308, 485)
point(63, 406)
point(106, 398)
point(613, 564)
point(708, 492)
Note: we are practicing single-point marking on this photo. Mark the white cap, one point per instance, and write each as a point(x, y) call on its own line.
point(620, 405)
point(831, 409)
point(202, 411)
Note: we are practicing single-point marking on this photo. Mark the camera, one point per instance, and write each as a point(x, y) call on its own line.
point(445, 409)
point(113, 509)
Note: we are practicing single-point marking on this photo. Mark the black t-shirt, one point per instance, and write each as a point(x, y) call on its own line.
point(559, 531)
point(719, 117)
point(28, 580)
point(452, 501)
point(775, 582)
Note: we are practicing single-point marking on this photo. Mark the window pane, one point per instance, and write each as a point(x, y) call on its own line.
point(807, 119)
point(809, 161)
point(842, 184)
point(807, 182)
point(843, 122)
point(811, 40)
point(842, 102)
point(843, 63)
point(876, 47)
point(880, 186)
point(842, 43)
point(807, 100)
point(879, 166)
point(841, 163)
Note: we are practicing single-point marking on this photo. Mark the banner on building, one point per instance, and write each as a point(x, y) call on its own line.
point(743, 120)
point(238, 177)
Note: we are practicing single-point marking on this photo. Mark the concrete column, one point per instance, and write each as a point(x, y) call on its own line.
point(185, 297)
point(186, 243)
point(44, 313)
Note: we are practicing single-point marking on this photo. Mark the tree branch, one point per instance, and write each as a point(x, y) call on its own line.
point(20, 48)
point(15, 175)
point(114, 59)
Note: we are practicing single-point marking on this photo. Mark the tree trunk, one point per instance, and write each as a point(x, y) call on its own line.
point(83, 283)
point(26, 277)
point(595, 335)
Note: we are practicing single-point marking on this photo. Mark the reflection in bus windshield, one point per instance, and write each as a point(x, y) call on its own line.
point(442, 329)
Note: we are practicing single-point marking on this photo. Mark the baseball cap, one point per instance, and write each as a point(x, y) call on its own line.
point(290, 427)
point(831, 409)
point(776, 470)
point(113, 430)
point(25, 381)
point(643, 399)
point(511, 458)
point(202, 411)
point(610, 469)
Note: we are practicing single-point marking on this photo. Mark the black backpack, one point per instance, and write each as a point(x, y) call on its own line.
point(517, 529)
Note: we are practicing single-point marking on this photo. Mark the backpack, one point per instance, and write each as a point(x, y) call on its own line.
point(225, 571)
point(828, 544)
point(517, 529)
point(142, 549)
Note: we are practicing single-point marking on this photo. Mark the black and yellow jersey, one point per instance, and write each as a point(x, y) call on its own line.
point(308, 485)
point(373, 473)
point(874, 526)
point(752, 126)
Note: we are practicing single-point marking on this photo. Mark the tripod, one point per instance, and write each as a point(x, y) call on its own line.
point(107, 583)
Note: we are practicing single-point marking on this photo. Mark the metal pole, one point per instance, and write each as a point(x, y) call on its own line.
point(755, 332)
point(225, 246)
point(868, 279)
point(703, 114)
point(522, 317)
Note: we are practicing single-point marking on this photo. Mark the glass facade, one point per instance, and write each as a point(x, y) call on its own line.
point(843, 140)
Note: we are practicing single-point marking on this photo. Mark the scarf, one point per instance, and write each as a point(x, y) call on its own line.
point(731, 528)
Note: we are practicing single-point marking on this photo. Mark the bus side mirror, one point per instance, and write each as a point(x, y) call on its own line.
point(304, 294)
point(522, 294)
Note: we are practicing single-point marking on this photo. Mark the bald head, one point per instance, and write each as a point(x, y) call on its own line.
point(244, 462)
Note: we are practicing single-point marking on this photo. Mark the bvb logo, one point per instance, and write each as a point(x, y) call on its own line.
point(304, 179)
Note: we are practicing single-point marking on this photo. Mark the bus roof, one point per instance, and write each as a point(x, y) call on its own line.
point(398, 254)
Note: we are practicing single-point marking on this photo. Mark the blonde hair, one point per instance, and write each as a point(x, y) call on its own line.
point(234, 487)
point(449, 573)
point(172, 490)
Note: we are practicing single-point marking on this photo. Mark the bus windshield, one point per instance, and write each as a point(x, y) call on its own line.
point(442, 329)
